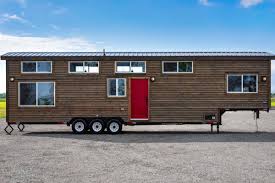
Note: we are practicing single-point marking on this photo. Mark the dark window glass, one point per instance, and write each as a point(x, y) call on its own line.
point(121, 87)
point(76, 67)
point(44, 67)
point(27, 94)
point(112, 87)
point(29, 66)
point(170, 67)
point(234, 83)
point(249, 83)
point(45, 93)
point(185, 66)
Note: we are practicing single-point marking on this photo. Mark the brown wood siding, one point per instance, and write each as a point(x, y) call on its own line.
point(173, 97)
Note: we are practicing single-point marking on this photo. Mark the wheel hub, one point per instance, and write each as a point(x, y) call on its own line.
point(114, 127)
point(79, 126)
point(97, 126)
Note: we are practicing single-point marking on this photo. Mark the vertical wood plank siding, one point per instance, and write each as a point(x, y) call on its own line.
point(173, 97)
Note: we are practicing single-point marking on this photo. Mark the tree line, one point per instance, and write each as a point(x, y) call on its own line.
point(2, 95)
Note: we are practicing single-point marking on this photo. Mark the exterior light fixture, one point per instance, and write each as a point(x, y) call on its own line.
point(264, 78)
point(152, 78)
point(12, 79)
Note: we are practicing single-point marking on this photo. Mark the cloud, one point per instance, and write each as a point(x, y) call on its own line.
point(10, 43)
point(4, 18)
point(205, 2)
point(8, 17)
point(60, 11)
point(249, 3)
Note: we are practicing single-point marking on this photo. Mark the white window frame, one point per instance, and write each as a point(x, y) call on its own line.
point(36, 67)
point(36, 85)
point(83, 62)
point(242, 75)
point(126, 72)
point(177, 72)
point(108, 87)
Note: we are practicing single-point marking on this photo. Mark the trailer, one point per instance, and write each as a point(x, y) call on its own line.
point(102, 91)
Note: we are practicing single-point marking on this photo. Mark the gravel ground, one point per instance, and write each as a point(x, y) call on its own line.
point(187, 153)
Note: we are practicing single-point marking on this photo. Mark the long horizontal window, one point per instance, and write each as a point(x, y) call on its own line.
point(116, 87)
point(83, 67)
point(242, 83)
point(130, 67)
point(36, 67)
point(36, 94)
point(177, 67)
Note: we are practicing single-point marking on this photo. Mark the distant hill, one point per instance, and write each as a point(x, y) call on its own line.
point(273, 95)
point(2, 95)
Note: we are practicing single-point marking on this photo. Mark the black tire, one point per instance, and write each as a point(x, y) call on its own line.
point(97, 126)
point(114, 126)
point(79, 126)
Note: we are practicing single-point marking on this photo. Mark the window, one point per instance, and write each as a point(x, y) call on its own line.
point(177, 67)
point(36, 94)
point(36, 67)
point(27, 94)
point(250, 83)
point(83, 67)
point(116, 87)
point(130, 67)
point(242, 83)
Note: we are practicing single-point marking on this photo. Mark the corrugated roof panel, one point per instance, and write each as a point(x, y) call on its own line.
point(133, 54)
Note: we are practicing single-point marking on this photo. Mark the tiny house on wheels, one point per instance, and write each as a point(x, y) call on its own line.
point(98, 91)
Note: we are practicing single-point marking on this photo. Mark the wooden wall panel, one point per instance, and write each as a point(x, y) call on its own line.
point(173, 97)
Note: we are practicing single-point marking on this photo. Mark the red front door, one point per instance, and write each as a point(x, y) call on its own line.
point(139, 98)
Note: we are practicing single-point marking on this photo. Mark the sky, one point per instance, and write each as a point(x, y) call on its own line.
point(136, 25)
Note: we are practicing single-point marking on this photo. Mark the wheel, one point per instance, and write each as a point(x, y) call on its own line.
point(79, 126)
point(114, 126)
point(97, 126)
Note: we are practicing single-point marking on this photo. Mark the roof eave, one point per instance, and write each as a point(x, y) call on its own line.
point(3, 57)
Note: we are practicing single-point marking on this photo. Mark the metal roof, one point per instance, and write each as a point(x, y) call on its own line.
point(137, 54)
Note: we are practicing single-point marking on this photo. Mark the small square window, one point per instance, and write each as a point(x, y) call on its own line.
point(242, 83)
point(123, 67)
point(83, 67)
point(235, 83)
point(138, 67)
point(130, 67)
point(45, 67)
point(177, 67)
point(76, 67)
point(91, 67)
point(29, 67)
point(170, 67)
point(250, 83)
point(116, 87)
point(36, 67)
point(185, 66)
